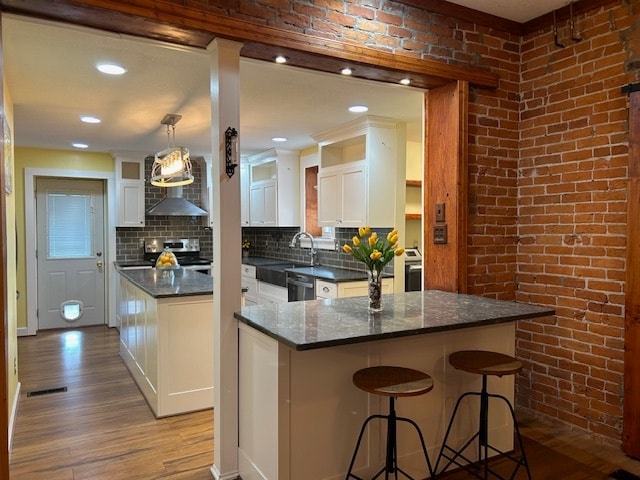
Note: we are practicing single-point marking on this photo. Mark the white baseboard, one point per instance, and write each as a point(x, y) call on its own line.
point(23, 332)
point(14, 413)
point(218, 476)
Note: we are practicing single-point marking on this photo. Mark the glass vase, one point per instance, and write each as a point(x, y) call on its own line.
point(375, 293)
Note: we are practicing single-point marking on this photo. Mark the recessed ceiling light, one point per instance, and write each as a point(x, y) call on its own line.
point(405, 81)
point(111, 68)
point(80, 145)
point(279, 139)
point(346, 71)
point(358, 109)
point(280, 59)
point(89, 119)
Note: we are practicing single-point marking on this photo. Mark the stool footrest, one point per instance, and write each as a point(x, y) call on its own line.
point(480, 468)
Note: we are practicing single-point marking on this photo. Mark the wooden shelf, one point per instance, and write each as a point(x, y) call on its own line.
point(413, 216)
point(414, 183)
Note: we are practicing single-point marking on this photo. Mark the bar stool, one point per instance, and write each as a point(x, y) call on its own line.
point(392, 382)
point(483, 363)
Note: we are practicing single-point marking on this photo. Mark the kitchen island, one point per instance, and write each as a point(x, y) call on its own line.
point(299, 413)
point(166, 337)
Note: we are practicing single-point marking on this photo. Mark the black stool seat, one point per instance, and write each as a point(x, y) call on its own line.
point(392, 382)
point(483, 363)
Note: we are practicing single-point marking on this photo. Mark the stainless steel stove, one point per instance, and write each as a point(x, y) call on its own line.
point(186, 250)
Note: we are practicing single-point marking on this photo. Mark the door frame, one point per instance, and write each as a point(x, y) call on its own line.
point(30, 175)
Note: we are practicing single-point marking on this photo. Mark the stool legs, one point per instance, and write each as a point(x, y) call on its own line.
point(456, 456)
point(391, 459)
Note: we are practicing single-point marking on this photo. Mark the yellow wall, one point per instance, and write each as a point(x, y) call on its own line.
point(45, 159)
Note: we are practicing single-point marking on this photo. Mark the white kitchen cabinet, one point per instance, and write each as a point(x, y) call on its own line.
point(359, 173)
point(130, 189)
point(343, 199)
point(245, 210)
point(249, 281)
point(268, 293)
point(274, 189)
point(358, 288)
point(161, 339)
point(263, 199)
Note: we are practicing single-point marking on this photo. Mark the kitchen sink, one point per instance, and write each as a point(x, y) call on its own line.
point(275, 273)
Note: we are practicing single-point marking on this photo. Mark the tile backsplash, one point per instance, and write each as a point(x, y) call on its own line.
point(274, 243)
point(128, 238)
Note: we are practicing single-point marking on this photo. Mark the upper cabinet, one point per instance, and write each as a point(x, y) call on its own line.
point(358, 174)
point(274, 189)
point(245, 212)
point(129, 189)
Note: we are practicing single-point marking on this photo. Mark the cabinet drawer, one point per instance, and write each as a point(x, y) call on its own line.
point(326, 289)
point(251, 284)
point(248, 271)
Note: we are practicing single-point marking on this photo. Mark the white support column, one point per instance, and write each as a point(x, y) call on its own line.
point(227, 243)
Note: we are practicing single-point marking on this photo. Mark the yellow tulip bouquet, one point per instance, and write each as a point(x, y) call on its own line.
point(375, 252)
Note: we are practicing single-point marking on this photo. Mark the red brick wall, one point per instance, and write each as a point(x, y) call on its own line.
point(547, 180)
point(572, 220)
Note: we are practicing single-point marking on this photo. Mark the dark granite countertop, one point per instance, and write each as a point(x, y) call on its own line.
point(326, 323)
point(321, 272)
point(170, 283)
point(134, 263)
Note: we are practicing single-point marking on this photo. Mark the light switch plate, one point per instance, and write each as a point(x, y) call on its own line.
point(440, 234)
point(440, 212)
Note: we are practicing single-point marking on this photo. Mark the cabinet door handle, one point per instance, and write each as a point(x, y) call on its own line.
point(325, 289)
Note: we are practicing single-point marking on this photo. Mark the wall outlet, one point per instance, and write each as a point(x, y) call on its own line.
point(440, 234)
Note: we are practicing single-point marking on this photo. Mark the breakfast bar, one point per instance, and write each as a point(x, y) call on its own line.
point(299, 412)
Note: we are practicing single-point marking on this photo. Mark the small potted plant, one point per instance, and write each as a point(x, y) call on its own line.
point(245, 247)
point(375, 253)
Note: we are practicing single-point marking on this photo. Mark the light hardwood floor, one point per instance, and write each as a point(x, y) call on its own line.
point(101, 428)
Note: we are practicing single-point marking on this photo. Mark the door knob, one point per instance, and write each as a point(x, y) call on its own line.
point(99, 264)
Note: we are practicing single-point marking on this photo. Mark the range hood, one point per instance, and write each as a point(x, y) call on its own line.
point(173, 204)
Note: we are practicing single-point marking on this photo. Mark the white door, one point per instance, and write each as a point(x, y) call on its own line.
point(70, 230)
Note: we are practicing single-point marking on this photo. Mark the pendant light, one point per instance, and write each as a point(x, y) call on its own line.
point(172, 166)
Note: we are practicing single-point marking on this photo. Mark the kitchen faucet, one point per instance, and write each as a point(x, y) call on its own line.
point(313, 252)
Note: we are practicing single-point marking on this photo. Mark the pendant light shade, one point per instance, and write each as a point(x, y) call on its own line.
point(171, 166)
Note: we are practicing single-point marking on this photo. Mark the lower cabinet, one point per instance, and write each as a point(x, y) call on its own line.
point(268, 293)
point(167, 345)
point(349, 289)
point(250, 284)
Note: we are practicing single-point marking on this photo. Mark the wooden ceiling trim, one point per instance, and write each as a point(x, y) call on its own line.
point(173, 22)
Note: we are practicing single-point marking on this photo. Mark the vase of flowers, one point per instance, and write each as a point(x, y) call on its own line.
point(375, 252)
point(245, 247)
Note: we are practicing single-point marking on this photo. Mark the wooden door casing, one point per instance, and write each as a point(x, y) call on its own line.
point(631, 410)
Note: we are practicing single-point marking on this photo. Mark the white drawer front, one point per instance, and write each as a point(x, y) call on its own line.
point(326, 289)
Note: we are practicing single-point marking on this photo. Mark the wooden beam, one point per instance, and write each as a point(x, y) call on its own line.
point(187, 25)
point(631, 412)
point(445, 184)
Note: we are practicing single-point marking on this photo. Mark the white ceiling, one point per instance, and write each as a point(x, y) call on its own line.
point(517, 10)
point(52, 80)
